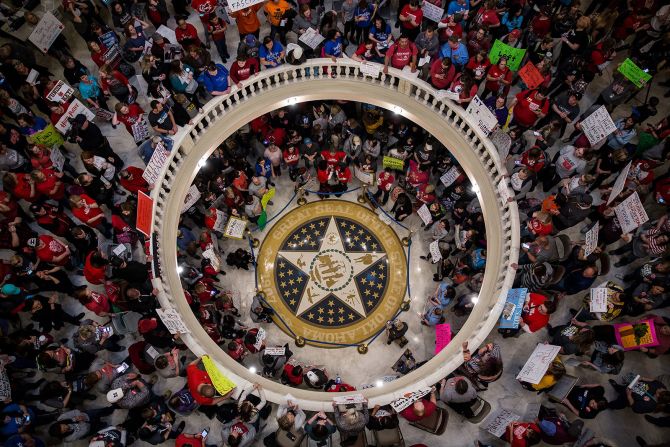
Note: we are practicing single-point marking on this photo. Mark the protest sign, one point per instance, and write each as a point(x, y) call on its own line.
point(598, 125)
point(46, 31)
point(442, 336)
point(60, 93)
point(212, 256)
point(350, 399)
point(103, 114)
point(531, 76)
point(409, 398)
point(172, 321)
point(481, 115)
point(75, 108)
point(267, 197)
point(432, 12)
point(31, 79)
point(236, 5)
point(496, 423)
point(619, 183)
point(57, 158)
point(48, 137)
point(108, 39)
point(260, 338)
point(511, 313)
point(192, 197)
point(641, 334)
point(591, 239)
point(156, 163)
point(112, 56)
point(311, 37)
point(424, 214)
point(448, 94)
point(140, 130)
point(169, 34)
point(514, 55)
point(384, 217)
point(393, 163)
point(631, 213)
point(222, 383)
point(538, 363)
point(145, 213)
point(220, 222)
point(450, 176)
point(275, 350)
point(365, 177)
point(370, 69)
point(235, 228)
point(598, 301)
point(633, 73)
point(504, 191)
point(435, 253)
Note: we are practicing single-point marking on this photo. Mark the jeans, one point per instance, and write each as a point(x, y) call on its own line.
point(222, 49)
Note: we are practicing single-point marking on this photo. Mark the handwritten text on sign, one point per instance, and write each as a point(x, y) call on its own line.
point(156, 163)
point(192, 197)
point(46, 31)
point(60, 93)
point(482, 116)
point(432, 12)
point(598, 301)
point(497, 422)
point(450, 176)
point(424, 214)
point(598, 125)
point(435, 253)
point(442, 336)
point(631, 213)
point(75, 108)
point(538, 363)
point(172, 321)
point(311, 38)
point(591, 239)
point(235, 228)
point(236, 5)
point(511, 313)
point(408, 399)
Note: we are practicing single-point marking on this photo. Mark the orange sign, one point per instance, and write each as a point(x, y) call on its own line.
point(531, 76)
point(145, 213)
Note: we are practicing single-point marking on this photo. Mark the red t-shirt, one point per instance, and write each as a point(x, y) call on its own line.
point(478, 68)
point(195, 377)
point(52, 248)
point(527, 102)
point(87, 214)
point(238, 73)
point(94, 275)
point(137, 183)
point(439, 77)
point(203, 6)
point(23, 188)
point(47, 185)
point(417, 13)
point(533, 318)
point(385, 181)
point(539, 228)
point(333, 158)
point(134, 114)
point(408, 413)
point(519, 434)
point(98, 304)
point(293, 379)
point(401, 57)
point(495, 72)
point(488, 17)
point(190, 33)
point(291, 158)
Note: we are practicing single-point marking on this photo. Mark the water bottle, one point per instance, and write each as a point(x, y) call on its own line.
point(338, 379)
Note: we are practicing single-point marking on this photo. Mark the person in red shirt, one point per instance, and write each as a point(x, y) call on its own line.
point(534, 159)
point(499, 76)
point(21, 186)
point(216, 29)
point(235, 350)
point(401, 54)
point(450, 26)
point(385, 181)
point(540, 224)
point(442, 73)
point(9, 208)
point(529, 106)
point(51, 218)
point(291, 157)
point(241, 182)
point(601, 55)
point(522, 434)
point(343, 174)
point(48, 183)
point(536, 312)
point(97, 303)
point(421, 409)
point(50, 250)
point(186, 34)
point(540, 26)
point(95, 267)
point(292, 375)
point(132, 181)
point(466, 88)
point(88, 211)
point(410, 18)
point(200, 385)
point(488, 16)
point(478, 65)
point(333, 156)
point(206, 10)
point(243, 68)
point(127, 114)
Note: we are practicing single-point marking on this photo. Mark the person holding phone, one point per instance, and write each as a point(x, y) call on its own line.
point(193, 439)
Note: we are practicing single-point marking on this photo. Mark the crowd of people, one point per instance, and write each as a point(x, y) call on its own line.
point(74, 268)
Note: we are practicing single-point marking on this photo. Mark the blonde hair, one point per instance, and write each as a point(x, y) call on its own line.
point(584, 22)
point(351, 416)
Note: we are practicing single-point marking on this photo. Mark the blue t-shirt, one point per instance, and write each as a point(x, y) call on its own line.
point(333, 48)
point(271, 55)
point(478, 261)
point(455, 8)
point(459, 56)
point(89, 91)
point(366, 13)
point(442, 294)
point(16, 419)
point(267, 164)
point(381, 35)
point(217, 82)
point(431, 317)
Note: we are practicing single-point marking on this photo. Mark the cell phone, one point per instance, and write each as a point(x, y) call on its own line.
point(27, 419)
point(525, 245)
point(122, 367)
point(291, 436)
point(536, 133)
point(661, 200)
point(204, 433)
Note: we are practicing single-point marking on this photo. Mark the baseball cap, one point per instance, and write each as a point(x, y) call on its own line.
point(515, 33)
point(250, 39)
point(548, 428)
point(307, 141)
point(115, 395)
point(10, 289)
point(32, 242)
point(312, 377)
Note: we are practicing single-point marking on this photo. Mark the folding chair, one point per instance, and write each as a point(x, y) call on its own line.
point(361, 440)
point(292, 438)
point(390, 437)
point(436, 423)
point(480, 408)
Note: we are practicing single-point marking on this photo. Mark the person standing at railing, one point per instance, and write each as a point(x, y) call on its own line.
point(215, 79)
point(401, 54)
point(271, 53)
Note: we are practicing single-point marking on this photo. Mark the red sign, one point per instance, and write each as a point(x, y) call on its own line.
point(531, 76)
point(145, 213)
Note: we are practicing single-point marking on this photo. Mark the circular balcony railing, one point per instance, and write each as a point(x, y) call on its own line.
point(322, 79)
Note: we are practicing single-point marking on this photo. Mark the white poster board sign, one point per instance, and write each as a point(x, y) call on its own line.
point(631, 213)
point(598, 301)
point(408, 399)
point(60, 93)
point(260, 338)
point(432, 12)
point(57, 158)
point(192, 197)
point(598, 125)
point(538, 363)
point(496, 423)
point(367, 178)
point(620, 183)
point(156, 163)
point(311, 38)
point(140, 129)
point(370, 69)
point(235, 228)
point(450, 176)
point(591, 239)
point(46, 31)
point(435, 253)
point(350, 399)
point(384, 217)
point(447, 94)
point(275, 350)
point(504, 191)
point(482, 116)
point(75, 108)
point(236, 5)
point(167, 33)
point(213, 257)
point(172, 321)
point(220, 222)
point(424, 214)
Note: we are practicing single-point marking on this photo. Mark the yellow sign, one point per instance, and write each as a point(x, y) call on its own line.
point(48, 136)
point(222, 383)
point(393, 163)
point(267, 197)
